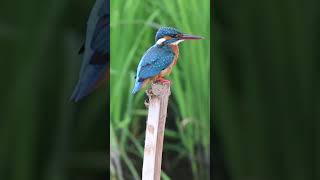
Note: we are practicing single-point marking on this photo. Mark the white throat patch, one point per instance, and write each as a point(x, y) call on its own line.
point(177, 42)
point(160, 41)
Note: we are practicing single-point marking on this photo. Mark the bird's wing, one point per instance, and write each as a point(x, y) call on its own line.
point(154, 61)
point(99, 32)
point(95, 63)
point(100, 37)
point(100, 42)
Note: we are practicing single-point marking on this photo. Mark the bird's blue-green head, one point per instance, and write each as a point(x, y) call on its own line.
point(169, 35)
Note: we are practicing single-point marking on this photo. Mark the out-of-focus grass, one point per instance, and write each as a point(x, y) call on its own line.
point(266, 78)
point(133, 26)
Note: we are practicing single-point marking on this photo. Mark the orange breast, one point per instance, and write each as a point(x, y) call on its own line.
point(168, 70)
point(175, 49)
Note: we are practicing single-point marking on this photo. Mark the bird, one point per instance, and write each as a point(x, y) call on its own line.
point(96, 52)
point(160, 58)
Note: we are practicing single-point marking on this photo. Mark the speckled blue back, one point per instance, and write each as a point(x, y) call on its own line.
point(156, 59)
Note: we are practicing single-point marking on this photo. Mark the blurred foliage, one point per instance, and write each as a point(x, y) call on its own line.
point(43, 135)
point(187, 135)
point(266, 71)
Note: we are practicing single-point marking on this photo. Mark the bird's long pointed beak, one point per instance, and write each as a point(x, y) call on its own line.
point(190, 37)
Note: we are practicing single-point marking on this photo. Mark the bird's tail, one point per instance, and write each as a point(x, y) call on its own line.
point(137, 86)
point(75, 95)
point(79, 92)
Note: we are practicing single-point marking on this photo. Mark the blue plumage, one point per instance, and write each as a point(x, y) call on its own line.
point(156, 59)
point(161, 57)
point(96, 51)
point(166, 31)
point(137, 87)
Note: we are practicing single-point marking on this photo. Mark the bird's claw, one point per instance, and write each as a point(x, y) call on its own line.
point(163, 81)
point(149, 91)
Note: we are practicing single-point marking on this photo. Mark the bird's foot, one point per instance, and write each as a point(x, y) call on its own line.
point(149, 91)
point(162, 81)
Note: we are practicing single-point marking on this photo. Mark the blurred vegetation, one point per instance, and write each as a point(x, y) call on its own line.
point(266, 86)
point(187, 135)
point(43, 135)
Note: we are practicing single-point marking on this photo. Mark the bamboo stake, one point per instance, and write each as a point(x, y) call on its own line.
point(158, 102)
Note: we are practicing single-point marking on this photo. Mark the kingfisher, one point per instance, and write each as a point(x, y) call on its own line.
point(160, 58)
point(96, 57)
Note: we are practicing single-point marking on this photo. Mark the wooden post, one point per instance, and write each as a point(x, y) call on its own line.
point(158, 103)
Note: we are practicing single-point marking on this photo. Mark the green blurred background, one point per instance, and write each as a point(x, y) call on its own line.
point(266, 90)
point(43, 135)
point(187, 135)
